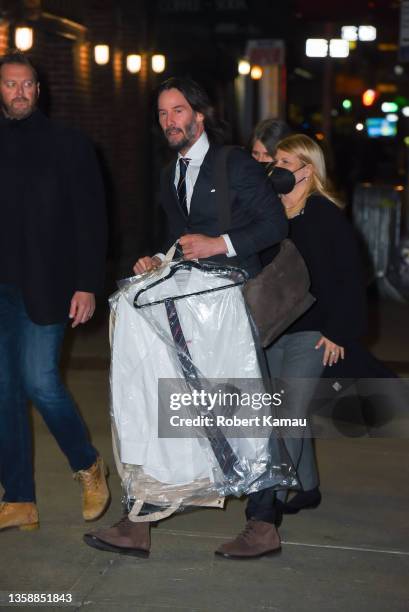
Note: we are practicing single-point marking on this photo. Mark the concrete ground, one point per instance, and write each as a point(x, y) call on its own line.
point(350, 554)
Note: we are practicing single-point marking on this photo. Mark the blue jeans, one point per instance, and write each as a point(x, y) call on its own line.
point(294, 359)
point(29, 355)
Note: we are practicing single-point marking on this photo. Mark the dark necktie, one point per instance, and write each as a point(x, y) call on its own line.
point(181, 188)
point(189, 370)
point(226, 458)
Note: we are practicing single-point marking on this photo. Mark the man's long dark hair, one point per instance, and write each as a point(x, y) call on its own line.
point(200, 102)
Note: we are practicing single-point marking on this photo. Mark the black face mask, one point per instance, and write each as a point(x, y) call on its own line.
point(283, 180)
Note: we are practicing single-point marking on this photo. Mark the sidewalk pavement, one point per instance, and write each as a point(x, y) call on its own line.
point(350, 554)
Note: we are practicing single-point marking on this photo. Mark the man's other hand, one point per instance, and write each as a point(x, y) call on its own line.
point(146, 264)
point(82, 307)
point(199, 246)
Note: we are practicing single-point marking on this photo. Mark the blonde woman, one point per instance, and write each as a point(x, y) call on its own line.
point(321, 336)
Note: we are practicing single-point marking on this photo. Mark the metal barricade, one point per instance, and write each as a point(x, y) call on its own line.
point(376, 212)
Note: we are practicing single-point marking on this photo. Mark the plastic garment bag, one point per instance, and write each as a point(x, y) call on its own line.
point(180, 331)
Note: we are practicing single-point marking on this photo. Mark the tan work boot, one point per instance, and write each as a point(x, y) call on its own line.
point(125, 538)
point(23, 515)
point(256, 540)
point(95, 492)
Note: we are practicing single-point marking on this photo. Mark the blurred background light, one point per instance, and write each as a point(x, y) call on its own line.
point(366, 33)
point(349, 33)
point(316, 47)
point(368, 97)
point(101, 54)
point(23, 38)
point(389, 107)
point(244, 67)
point(338, 47)
point(158, 63)
point(133, 63)
point(256, 72)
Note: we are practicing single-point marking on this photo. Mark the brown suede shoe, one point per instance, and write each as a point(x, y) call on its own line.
point(256, 540)
point(125, 538)
point(95, 492)
point(23, 515)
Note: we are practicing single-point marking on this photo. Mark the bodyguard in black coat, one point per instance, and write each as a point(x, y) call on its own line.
point(53, 225)
point(52, 251)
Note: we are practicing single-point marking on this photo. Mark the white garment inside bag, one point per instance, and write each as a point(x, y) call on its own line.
point(218, 335)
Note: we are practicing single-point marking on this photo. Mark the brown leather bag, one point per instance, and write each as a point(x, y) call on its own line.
point(279, 294)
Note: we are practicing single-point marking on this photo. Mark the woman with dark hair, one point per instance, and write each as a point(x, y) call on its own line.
point(265, 137)
point(263, 143)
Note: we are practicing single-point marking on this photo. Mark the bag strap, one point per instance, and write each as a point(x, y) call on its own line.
point(223, 194)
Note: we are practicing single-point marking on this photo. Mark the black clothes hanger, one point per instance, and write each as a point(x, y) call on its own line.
point(188, 265)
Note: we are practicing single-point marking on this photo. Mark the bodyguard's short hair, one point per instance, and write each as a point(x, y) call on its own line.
point(17, 57)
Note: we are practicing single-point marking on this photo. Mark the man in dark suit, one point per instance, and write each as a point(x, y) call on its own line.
point(52, 252)
point(188, 197)
point(257, 219)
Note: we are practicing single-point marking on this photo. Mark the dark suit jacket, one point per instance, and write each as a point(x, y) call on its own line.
point(53, 225)
point(257, 216)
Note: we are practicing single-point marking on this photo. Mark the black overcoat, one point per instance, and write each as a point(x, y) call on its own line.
point(53, 218)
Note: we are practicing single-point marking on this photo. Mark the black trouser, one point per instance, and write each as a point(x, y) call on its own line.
point(261, 506)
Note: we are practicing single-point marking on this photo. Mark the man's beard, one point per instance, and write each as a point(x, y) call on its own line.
point(188, 137)
point(18, 113)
